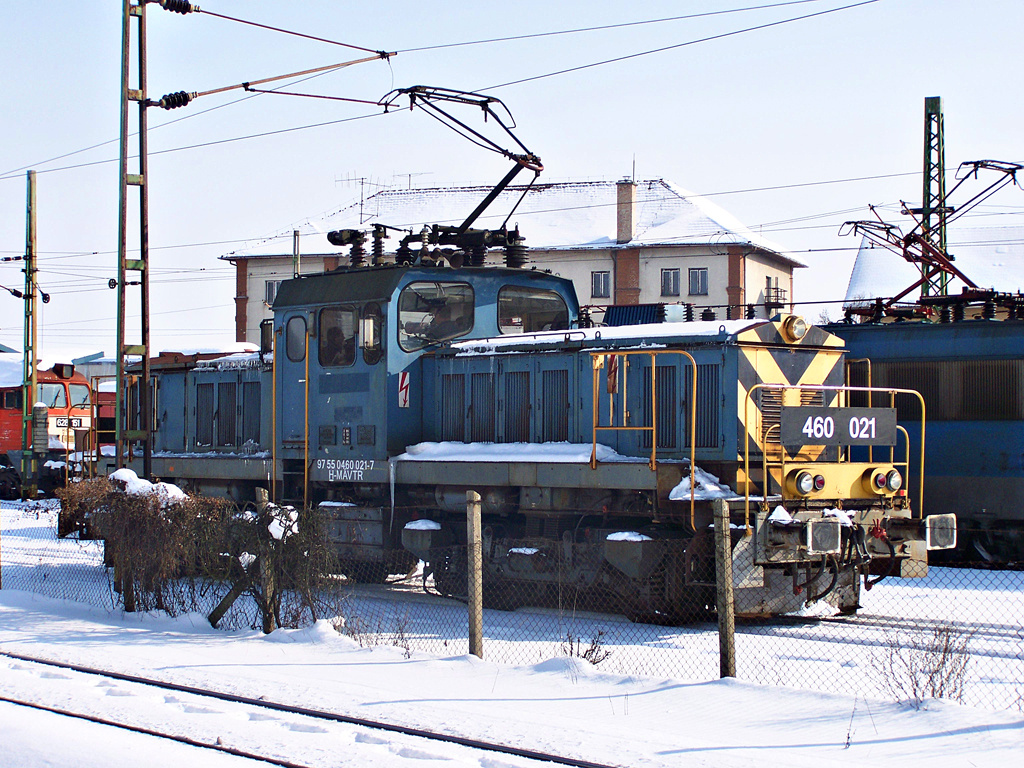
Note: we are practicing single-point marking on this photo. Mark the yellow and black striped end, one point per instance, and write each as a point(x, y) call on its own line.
point(767, 357)
point(771, 333)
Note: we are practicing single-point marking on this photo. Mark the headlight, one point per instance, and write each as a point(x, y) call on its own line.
point(804, 483)
point(794, 328)
point(894, 481)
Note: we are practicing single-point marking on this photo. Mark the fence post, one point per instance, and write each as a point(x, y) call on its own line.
point(725, 605)
point(474, 552)
point(267, 564)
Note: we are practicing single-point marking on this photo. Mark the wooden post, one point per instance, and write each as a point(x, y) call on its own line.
point(725, 606)
point(268, 586)
point(475, 555)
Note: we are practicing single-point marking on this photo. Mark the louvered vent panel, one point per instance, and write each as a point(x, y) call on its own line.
point(668, 406)
point(517, 407)
point(453, 407)
point(481, 408)
point(555, 395)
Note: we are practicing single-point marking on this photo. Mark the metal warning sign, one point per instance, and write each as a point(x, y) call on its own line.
point(403, 389)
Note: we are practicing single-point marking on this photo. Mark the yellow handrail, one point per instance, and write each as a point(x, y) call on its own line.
point(824, 388)
point(653, 429)
point(273, 418)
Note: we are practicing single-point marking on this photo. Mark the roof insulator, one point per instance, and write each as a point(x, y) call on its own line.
point(179, 6)
point(175, 100)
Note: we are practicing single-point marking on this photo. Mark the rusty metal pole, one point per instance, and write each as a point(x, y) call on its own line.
point(126, 437)
point(725, 606)
point(30, 389)
point(475, 556)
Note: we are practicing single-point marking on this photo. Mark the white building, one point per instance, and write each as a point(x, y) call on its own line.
point(620, 243)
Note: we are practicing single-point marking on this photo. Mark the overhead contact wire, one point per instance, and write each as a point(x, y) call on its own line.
point(681, 45)
point(531, 36)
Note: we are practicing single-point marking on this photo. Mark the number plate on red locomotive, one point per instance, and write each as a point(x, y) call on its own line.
point(62, 422)
point(809, 425)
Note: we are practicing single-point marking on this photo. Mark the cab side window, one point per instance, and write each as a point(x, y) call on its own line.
point(429, 313)
point(372, 334)
point(528, 310)
point(337, 340)
point(295, 339)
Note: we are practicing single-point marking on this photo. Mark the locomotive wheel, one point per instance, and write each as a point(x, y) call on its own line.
point(450, 577)
point(365, 573)
point(10, 486)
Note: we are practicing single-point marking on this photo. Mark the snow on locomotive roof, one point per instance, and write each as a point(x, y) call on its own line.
point(646, 335)
point(233, 361)
point(561, 215)
point(11, 368)
point(993, 257)
point(231, 348)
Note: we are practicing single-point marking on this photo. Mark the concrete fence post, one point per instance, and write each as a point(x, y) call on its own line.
point(474, 554)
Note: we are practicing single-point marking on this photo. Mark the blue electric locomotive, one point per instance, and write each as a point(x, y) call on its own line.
point(971, 375)
point(383, 393)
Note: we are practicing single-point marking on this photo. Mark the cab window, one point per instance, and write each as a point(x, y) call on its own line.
point(429, 313)
point(372, 334)
point(79, 395)
point(295, 339)
point(53, 395)
point(527, 310)
point(337, 339)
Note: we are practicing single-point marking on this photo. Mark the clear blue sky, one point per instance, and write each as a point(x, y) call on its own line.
point(824, 99)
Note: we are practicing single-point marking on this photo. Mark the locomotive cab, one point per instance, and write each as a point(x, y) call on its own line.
point(349, 379)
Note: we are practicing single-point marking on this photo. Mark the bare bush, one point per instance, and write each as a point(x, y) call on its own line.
point(151, 542)
point(288, 564)
point(914, 668)
point(595, 653)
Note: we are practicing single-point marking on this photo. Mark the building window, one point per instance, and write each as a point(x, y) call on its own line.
point(600, 285)
point(699, 281)
point(670, 282)
point(272, 286)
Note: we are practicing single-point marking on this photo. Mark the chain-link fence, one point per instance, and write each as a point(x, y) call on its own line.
point(957, 632)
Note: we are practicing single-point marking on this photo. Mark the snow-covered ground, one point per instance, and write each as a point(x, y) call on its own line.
point(654, 701)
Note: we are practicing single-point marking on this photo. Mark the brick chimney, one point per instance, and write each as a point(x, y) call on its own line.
point(625, 226)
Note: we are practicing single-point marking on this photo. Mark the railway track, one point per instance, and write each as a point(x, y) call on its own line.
point(978, 630)
point(245, 701)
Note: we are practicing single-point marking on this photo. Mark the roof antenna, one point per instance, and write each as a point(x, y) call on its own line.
point(634, 167)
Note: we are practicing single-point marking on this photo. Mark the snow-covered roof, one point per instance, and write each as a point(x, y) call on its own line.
point(651, 335)
point(229, 348)
point(564, 216)
point(12, 368)
point(993, 257)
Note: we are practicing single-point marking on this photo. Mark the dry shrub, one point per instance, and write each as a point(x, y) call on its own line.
point(150, 543)
point(183, 555)
point(914, 668)
point(293, 576)
point(595, 653)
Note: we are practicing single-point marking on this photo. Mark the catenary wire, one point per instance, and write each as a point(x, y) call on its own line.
point(12, 174)
point(680, 45)
point(4, 174)
point(603, 27)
